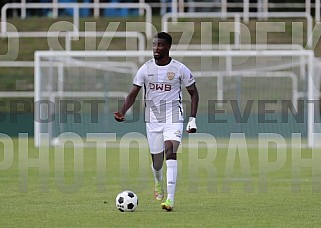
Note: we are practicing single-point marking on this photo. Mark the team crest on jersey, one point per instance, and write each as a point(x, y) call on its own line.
point(170, 75)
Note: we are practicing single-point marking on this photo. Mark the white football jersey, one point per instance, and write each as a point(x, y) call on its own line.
point(163, 90)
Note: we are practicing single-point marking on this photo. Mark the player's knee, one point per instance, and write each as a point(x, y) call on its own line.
point(158, 160)
point(157, 165)
point(170, 155)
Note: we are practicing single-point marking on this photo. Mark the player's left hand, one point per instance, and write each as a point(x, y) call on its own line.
point(191, 126)
point(119, 117)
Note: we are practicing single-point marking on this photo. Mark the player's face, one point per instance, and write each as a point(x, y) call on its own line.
point(160, 48)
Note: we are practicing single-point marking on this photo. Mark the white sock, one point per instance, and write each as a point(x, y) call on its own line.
point(158, 174)
point(171, 175)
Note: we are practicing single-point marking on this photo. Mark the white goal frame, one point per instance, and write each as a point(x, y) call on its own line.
point(312, 92)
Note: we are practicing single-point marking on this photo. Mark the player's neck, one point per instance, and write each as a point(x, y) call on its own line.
point(164, 61)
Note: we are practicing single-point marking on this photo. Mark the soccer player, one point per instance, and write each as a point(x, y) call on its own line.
point(162, 79)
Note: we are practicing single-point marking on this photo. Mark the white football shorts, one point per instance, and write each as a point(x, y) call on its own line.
point(158, 133)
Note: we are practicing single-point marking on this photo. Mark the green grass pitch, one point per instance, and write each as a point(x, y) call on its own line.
point(77, 188)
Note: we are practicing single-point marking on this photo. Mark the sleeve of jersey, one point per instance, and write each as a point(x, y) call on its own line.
point(187, 77)
point(140, 76)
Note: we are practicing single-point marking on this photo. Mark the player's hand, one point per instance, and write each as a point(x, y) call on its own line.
point(191, 126)
point(119, 117)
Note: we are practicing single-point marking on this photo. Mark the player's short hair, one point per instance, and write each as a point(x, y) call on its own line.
point(165, 36)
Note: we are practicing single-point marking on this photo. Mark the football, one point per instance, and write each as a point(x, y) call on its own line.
point(126, 201)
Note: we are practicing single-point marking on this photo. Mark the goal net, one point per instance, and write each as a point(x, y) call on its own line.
point(77, 94)
point(241, 91)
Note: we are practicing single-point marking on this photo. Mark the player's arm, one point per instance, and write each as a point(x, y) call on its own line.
point(129, 101)
point(193, 92)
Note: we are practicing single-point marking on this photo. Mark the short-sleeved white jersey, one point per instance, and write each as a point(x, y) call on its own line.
point(163, 90)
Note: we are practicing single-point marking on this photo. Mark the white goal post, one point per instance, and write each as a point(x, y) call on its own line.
point(243, 77)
